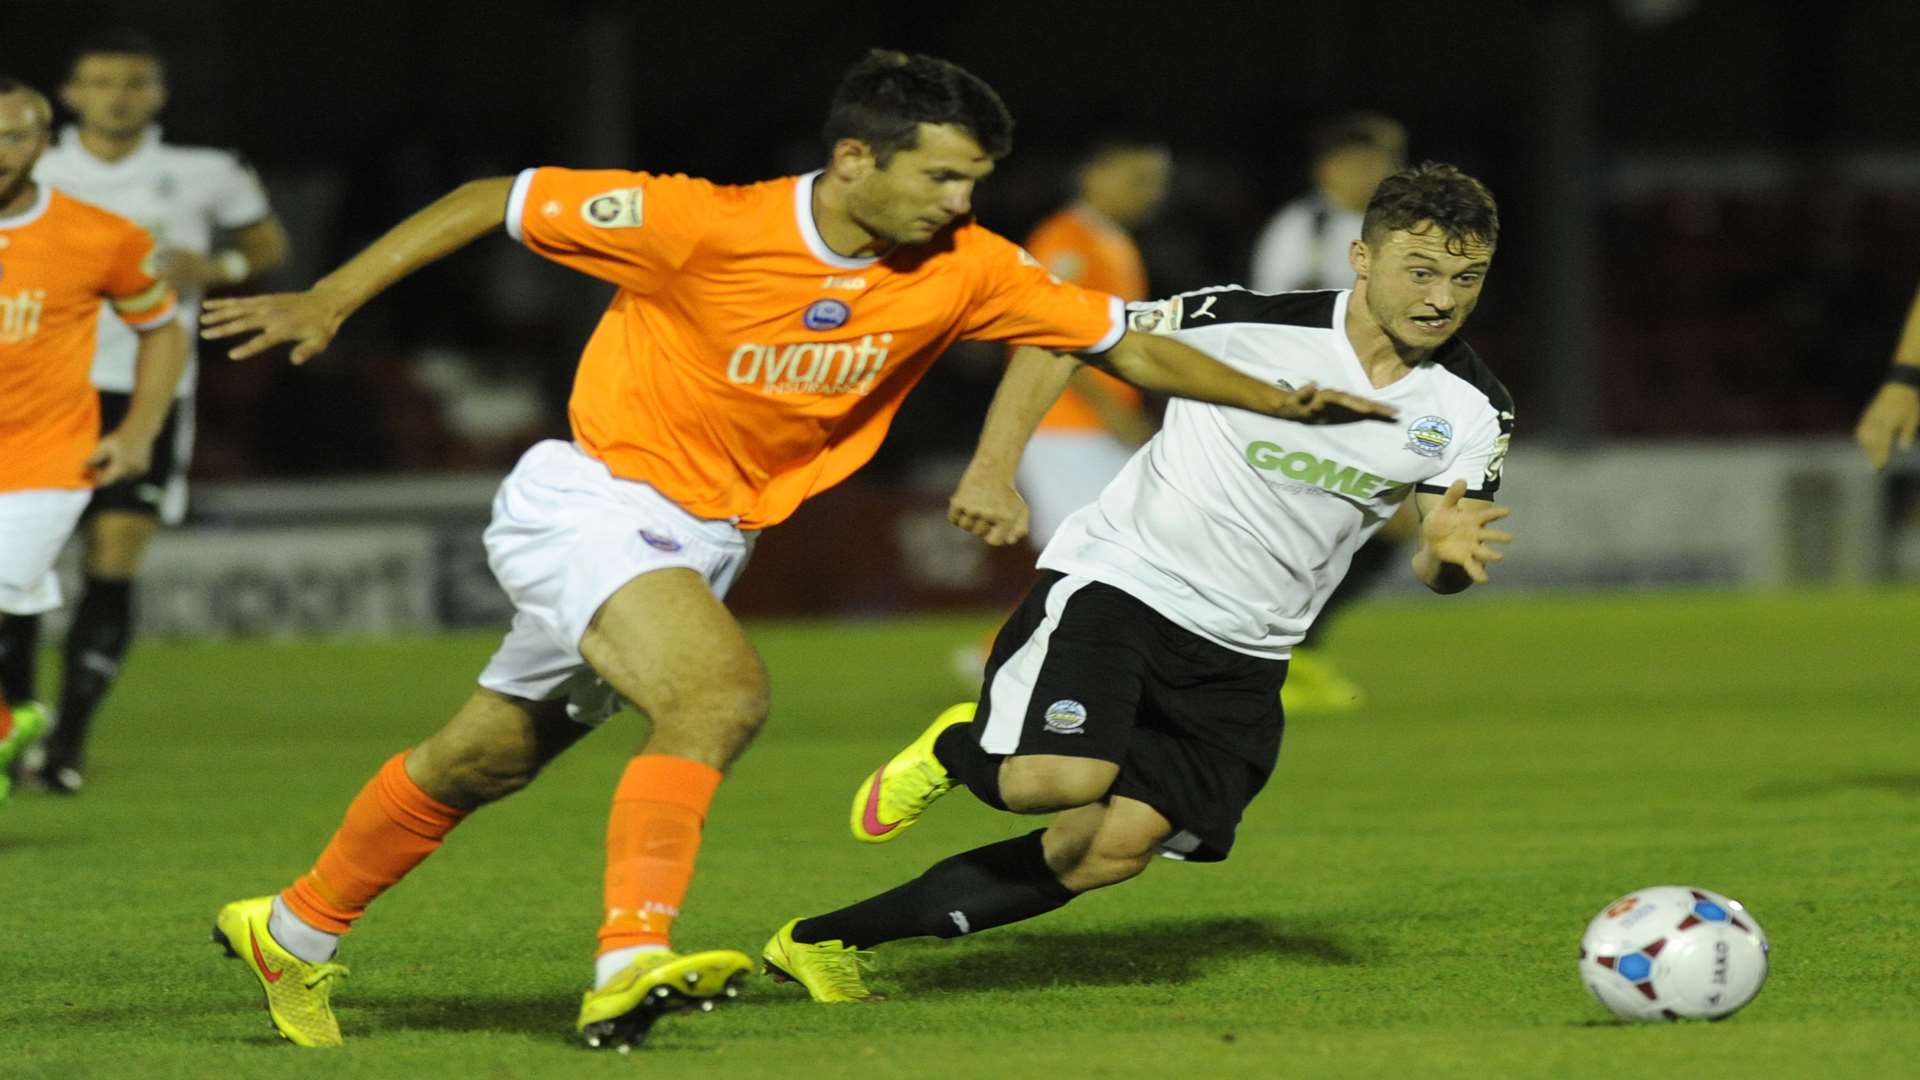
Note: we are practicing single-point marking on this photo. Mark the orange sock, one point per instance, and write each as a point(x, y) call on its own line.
point(390, 827)
point(653, 834)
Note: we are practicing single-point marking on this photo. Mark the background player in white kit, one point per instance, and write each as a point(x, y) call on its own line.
point(212, 229)
point(1134, 695)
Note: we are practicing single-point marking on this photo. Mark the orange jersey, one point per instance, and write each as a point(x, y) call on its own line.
point(59, 260)
point(1081, 246)
point(743, 366)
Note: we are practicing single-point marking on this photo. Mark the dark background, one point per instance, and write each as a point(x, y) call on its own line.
point(1711, 211)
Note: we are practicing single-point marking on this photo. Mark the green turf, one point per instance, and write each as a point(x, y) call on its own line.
point(1405, 899)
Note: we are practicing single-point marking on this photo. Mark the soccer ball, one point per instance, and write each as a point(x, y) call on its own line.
point(1674, 952)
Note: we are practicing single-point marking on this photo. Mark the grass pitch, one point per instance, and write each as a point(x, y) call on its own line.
point(1405, 899)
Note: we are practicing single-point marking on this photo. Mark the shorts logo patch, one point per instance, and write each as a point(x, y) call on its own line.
point(1429, 436)
point(1066, 717)
point(659, 541)
point(616, 209)
point(826, 315)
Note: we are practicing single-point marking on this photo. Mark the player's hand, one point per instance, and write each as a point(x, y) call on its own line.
point(989, 508)
point(1889, 422)
point(1459, 535)
point(1312, 405)
point(306, 320)
point(117, 456)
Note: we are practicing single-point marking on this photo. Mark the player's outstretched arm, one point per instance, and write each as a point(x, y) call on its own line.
point(308, 320)
point(986, 502)
point(1161, 365)
point(127, 450)
point(1455, 543)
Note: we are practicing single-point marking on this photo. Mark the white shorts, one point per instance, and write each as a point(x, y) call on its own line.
point(1062, 471)
point(34, 525)
point(566, 535)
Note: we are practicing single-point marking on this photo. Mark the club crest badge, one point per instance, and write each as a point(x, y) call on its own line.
point(1429, 436)
point(1066, 717)
point(826, 315)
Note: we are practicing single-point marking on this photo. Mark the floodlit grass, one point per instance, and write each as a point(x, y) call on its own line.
point(1405, 900)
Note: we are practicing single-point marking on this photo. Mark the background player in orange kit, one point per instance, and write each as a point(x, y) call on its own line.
point(58, 260)
point(760, 341)
point(1099, 421)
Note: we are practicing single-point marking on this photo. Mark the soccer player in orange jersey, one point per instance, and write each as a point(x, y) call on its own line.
point(760, 341)
point(59, 259)
point(1099, 421)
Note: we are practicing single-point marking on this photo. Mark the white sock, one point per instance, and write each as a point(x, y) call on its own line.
point(609, 964)
point(295, 936)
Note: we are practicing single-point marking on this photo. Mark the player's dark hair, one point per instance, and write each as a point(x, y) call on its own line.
point(1436, 193)
point(1368, 129)
point(883, 100)
point(1113, 141)
point(116, 42)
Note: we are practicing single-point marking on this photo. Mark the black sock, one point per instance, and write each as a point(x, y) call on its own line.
point(1372, 561)
point(958, 749)
point(987, 887)
point(102, 630)
point(19, 656)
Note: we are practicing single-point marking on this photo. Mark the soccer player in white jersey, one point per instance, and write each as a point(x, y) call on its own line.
point(1134, 696)
point(212, 228)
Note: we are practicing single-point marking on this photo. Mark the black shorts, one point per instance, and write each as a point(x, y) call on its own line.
point(1082, 669)
point(160, 491)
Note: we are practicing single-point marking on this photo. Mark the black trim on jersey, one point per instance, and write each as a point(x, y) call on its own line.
point(1232, 304)
point(1458, 357)
point(1482, 493)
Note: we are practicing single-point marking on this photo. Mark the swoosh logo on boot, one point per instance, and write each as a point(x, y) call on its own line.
point(259, 960)
point(870, 819)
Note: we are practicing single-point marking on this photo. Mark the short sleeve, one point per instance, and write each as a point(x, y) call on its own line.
point(1017, 301)
point(629, 228)
point(1482, 457)
point(238, 199)
point(138, 295)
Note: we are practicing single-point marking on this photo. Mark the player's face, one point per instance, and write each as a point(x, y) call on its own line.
point(1129, 185)
point(115, 94)
point(921, 190)
point(23, 136)
point(1419, 287)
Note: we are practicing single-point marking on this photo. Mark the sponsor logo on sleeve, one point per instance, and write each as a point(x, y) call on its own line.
point(616, 209)
point(1155, 316)
point(1429, 436)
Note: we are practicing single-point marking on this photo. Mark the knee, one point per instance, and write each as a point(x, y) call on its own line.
point(1040, 785)
point(713, 721)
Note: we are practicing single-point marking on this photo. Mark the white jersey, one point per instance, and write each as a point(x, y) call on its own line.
point(1238, 526)
point(1304, 246)
point(180, 194)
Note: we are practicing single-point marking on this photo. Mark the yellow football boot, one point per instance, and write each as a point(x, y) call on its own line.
point(297, 991)
point(900, 791)
point(29, 723)
point(619, 1014)
point(829, 970)
point(1315, 685)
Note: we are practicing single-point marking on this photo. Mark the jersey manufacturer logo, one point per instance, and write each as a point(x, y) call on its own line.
point(616, 209)
point(812, 367)
point(20, 315)
point(1066, 717)
point(826, 315)
point(1429, 436)
point(1310, 471)
point(1027, 259)
point(836, 281)
point(1204, 311)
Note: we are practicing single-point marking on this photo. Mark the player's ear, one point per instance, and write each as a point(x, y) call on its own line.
point(852, 159)
point(1358, 257)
